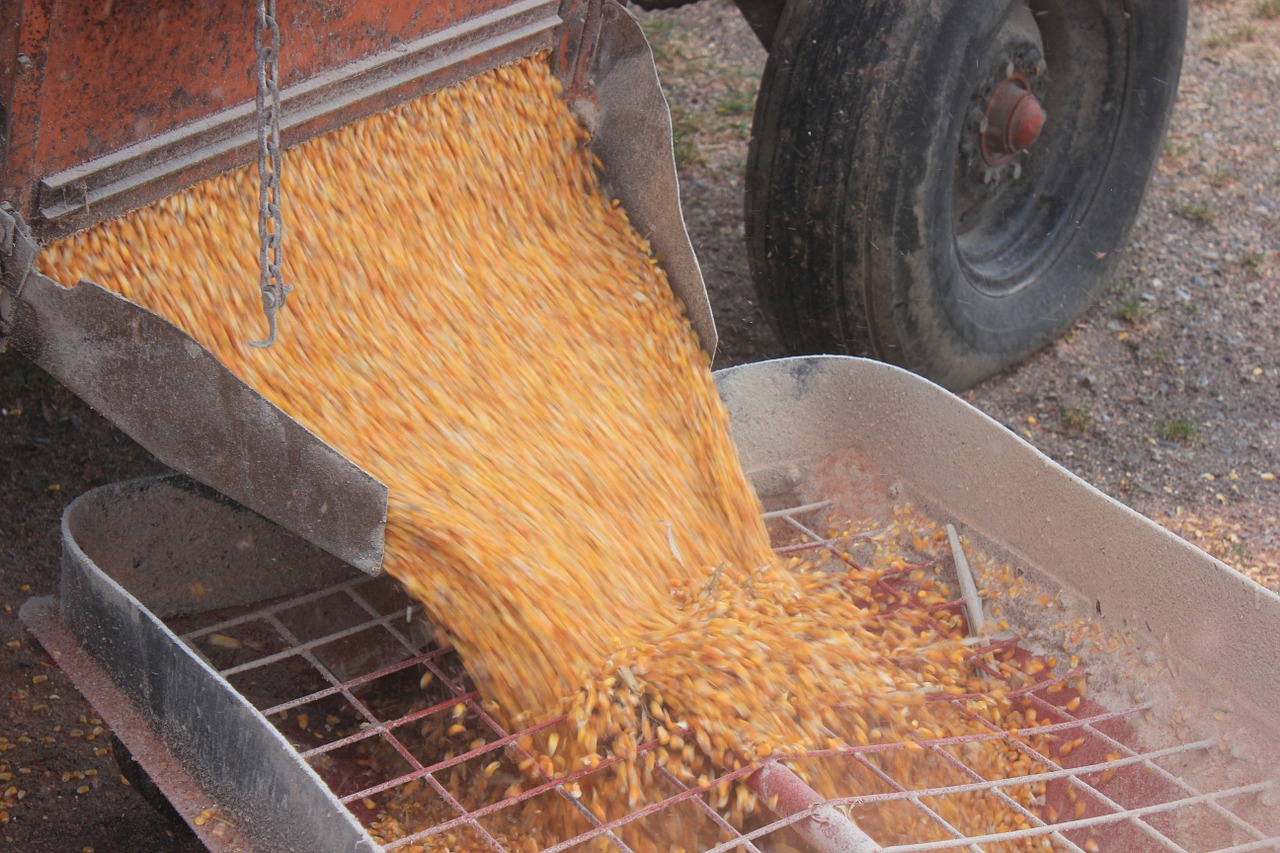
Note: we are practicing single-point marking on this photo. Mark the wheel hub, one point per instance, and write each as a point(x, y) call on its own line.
point(1006, 117)
point(1014, 119)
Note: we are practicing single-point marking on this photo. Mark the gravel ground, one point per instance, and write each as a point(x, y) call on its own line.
point(1164, 395)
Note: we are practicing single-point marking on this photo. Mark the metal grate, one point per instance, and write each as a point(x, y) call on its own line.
point(338, 672)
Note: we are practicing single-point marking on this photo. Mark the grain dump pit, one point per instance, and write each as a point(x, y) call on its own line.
point(280, 698)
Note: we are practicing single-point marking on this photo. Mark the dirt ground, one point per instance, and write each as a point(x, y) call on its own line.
point(1164, 395)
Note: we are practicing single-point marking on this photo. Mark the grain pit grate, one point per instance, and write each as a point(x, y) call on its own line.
point(334, 670)
point(1175, 747)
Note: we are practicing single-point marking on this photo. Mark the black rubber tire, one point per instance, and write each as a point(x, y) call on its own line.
point(856, 176)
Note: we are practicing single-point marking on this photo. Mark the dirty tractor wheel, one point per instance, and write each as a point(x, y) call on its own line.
point(946, 185)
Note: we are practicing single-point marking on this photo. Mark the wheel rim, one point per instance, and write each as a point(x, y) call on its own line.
point(1037, 129)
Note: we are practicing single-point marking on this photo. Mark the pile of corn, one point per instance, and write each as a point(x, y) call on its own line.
point(477, 326)
point(1227, 539)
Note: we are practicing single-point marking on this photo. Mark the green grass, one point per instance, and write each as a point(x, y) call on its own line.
point(1197, 212)
point(1220, 178)
point(737, 103)
point(684, 133)
point(733, 113)
point(1242, 33)
point(672, 44)
point(1133, 310)
point(1127, 306)
point(1238, 554)
point(661, 33)
point(1078, 418)
point(1269, 9)
point(711, 100)
point(1252, 260)
point(674, 52)
point(1180, 430)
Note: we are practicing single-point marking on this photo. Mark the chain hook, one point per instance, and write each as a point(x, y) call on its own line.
point(270, 166)
point(269, 307)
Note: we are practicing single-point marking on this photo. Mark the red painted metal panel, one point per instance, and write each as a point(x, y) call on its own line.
point(80, 80)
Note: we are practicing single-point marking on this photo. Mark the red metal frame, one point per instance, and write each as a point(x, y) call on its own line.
point(106, 106)
point(100, 75)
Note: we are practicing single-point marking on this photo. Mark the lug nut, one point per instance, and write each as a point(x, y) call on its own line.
point(1032, 61)
point(978, 121)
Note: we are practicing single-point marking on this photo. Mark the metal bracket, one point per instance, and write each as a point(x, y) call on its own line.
point(619, 100)
point(8, 221)
point(18, 250)
point(175, 398)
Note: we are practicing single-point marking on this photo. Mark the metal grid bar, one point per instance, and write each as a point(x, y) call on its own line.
point(385, 729)
point(1053, 833)
point(354, 593)
point(277, 607)
point(736, 839)
point(305, 650)
point(1177, 781)
point(686, 795)
point(557, 784)
point(1040, 828)
point(825, 829)
point(1118, 811)
point(1133, 815)
point(1083, 823)
point(358, 681)
point(714, 815)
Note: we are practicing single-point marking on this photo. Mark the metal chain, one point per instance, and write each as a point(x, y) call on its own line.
point(270, 228)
